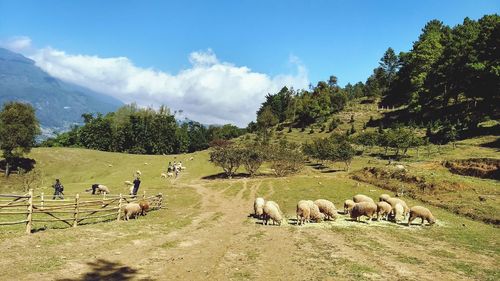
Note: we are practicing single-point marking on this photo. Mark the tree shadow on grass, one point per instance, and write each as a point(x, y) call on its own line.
point(224, 176)
point(106, 270)
point(323, 168)
point(26, 164)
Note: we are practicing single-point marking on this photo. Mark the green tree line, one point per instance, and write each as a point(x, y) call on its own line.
point(142, 131)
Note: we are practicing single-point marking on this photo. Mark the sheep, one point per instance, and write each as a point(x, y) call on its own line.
point(362, 198)
point(258, 206)
point(128, 183)
point(144, 204)
point(397, 212)
point(327, 208)
point(138, 173)
point(384, 197)
point(191, 158)
point(163, 175)
point(368, 209)
point(423, 213)
point(303, 212)
point(102, 189)
point(170, 174)
point(383, 209)
point(271, 211)
point(348, 204)
point(132, 210)
point(307, 211)
point(393, 201)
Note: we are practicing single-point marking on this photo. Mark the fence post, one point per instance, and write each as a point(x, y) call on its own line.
point(75, 214)
point(119, 208)
point(30, 212)
point(160, 195)
point(41, 201)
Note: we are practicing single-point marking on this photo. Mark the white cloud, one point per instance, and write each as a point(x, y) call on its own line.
point(17, 44)
point(210, 91)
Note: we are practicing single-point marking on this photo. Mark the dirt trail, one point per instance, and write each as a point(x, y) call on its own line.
point(224, 243)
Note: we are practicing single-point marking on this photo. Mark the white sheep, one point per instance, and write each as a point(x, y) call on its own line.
point(393, 201)
point(170, 174)
point(327, 208)
point(128, 183)
point(398, 212)
point(132, 210)
point(362, 198)
point(102, 189)
point(383, 209)
point(272, 212)
point(348, 204)
point(258, 207)
point(307, 211)
point(423, 213)
point(163, 175)
point(384, 197)
point(368, 209)
point(138, 173)
point(303, 212)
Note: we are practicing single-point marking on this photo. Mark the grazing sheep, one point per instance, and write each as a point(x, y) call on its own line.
point(102, 188)
point(163, 175)
point(362, 198)
point(397, 212)
point(144, 204)
point(368, 209)
point(307, 211)
point(423, 213)
point(132, 210)
point(384, 197)
point(303, 212)
point(128, 183)
point(272, 212)
point(348, 204)
point(258, 206)
point(170, 174)
point(383, 209)
point(327, 208)
point(138, 173)
point(393, 201)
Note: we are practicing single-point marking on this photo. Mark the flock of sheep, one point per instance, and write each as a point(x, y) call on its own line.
point(389, 208)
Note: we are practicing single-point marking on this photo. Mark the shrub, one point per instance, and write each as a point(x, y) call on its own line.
point(285, 158)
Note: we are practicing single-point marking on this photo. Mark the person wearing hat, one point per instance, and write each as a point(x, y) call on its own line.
point(58, 190)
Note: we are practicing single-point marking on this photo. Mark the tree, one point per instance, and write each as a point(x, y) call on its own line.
point(252, 158)
point(265, 120)
point(285, 158)
point(228, 157)
point(18, 129)
point(335, 148)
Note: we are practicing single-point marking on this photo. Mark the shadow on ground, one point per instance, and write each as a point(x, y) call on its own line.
point(106, 270)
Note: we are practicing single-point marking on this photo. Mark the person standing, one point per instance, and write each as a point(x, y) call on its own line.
point(58, 190)
point(137, 183)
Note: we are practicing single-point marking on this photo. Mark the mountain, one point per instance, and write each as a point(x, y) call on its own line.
point(58, 104)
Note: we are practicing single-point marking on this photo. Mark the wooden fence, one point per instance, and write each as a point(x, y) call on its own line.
point(72, 210)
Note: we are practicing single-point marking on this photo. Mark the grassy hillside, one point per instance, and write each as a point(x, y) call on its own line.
point(205, 233)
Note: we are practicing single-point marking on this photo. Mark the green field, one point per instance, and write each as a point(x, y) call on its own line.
point(205, 232)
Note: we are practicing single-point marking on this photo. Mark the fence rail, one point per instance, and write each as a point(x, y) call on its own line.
point(71, 211)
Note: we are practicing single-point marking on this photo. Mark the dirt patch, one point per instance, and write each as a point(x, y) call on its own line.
point(486, 168)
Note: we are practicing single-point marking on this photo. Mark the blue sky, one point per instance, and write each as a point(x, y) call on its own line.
point(273, 38)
